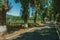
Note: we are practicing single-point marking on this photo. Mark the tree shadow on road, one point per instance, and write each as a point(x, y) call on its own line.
point(39, 35)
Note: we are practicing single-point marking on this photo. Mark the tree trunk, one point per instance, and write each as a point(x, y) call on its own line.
point(35, 17)
point(26, 17)
point(3, 28)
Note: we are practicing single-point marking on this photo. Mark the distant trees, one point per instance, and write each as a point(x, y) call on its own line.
point(42, 8)
point(37, 5)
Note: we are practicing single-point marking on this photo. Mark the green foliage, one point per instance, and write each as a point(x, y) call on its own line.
point(13, 19)
point(0, 5)
point(40, 9)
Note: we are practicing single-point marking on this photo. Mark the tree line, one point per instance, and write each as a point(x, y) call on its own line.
point(41, 9)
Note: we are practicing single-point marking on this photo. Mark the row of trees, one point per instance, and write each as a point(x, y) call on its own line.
point(37, 5)
point(40, 7)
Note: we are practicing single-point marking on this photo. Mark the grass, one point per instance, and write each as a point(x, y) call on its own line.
point(21, 21)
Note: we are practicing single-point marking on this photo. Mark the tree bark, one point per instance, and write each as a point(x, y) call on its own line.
point(3, 28)
point(26, 16)
point(35, 17)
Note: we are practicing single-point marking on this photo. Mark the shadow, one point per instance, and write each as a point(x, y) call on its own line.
point(44, 34)
point(12, 28)
point(34, 25)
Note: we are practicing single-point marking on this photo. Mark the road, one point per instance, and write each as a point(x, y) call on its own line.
point(46, 32)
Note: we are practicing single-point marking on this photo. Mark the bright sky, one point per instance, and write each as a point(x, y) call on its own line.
point(15, 11)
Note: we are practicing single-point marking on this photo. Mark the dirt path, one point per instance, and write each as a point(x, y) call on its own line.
point(8, 36)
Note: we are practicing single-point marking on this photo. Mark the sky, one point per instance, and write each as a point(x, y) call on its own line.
point(15, 10)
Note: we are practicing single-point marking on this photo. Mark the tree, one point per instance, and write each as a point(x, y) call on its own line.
point(0, 5)
point(36, 8)
point(25, 13)
point(3, 14)
point(57, 8)
point(34, 4)
point(43, 9)
point(3, 8)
